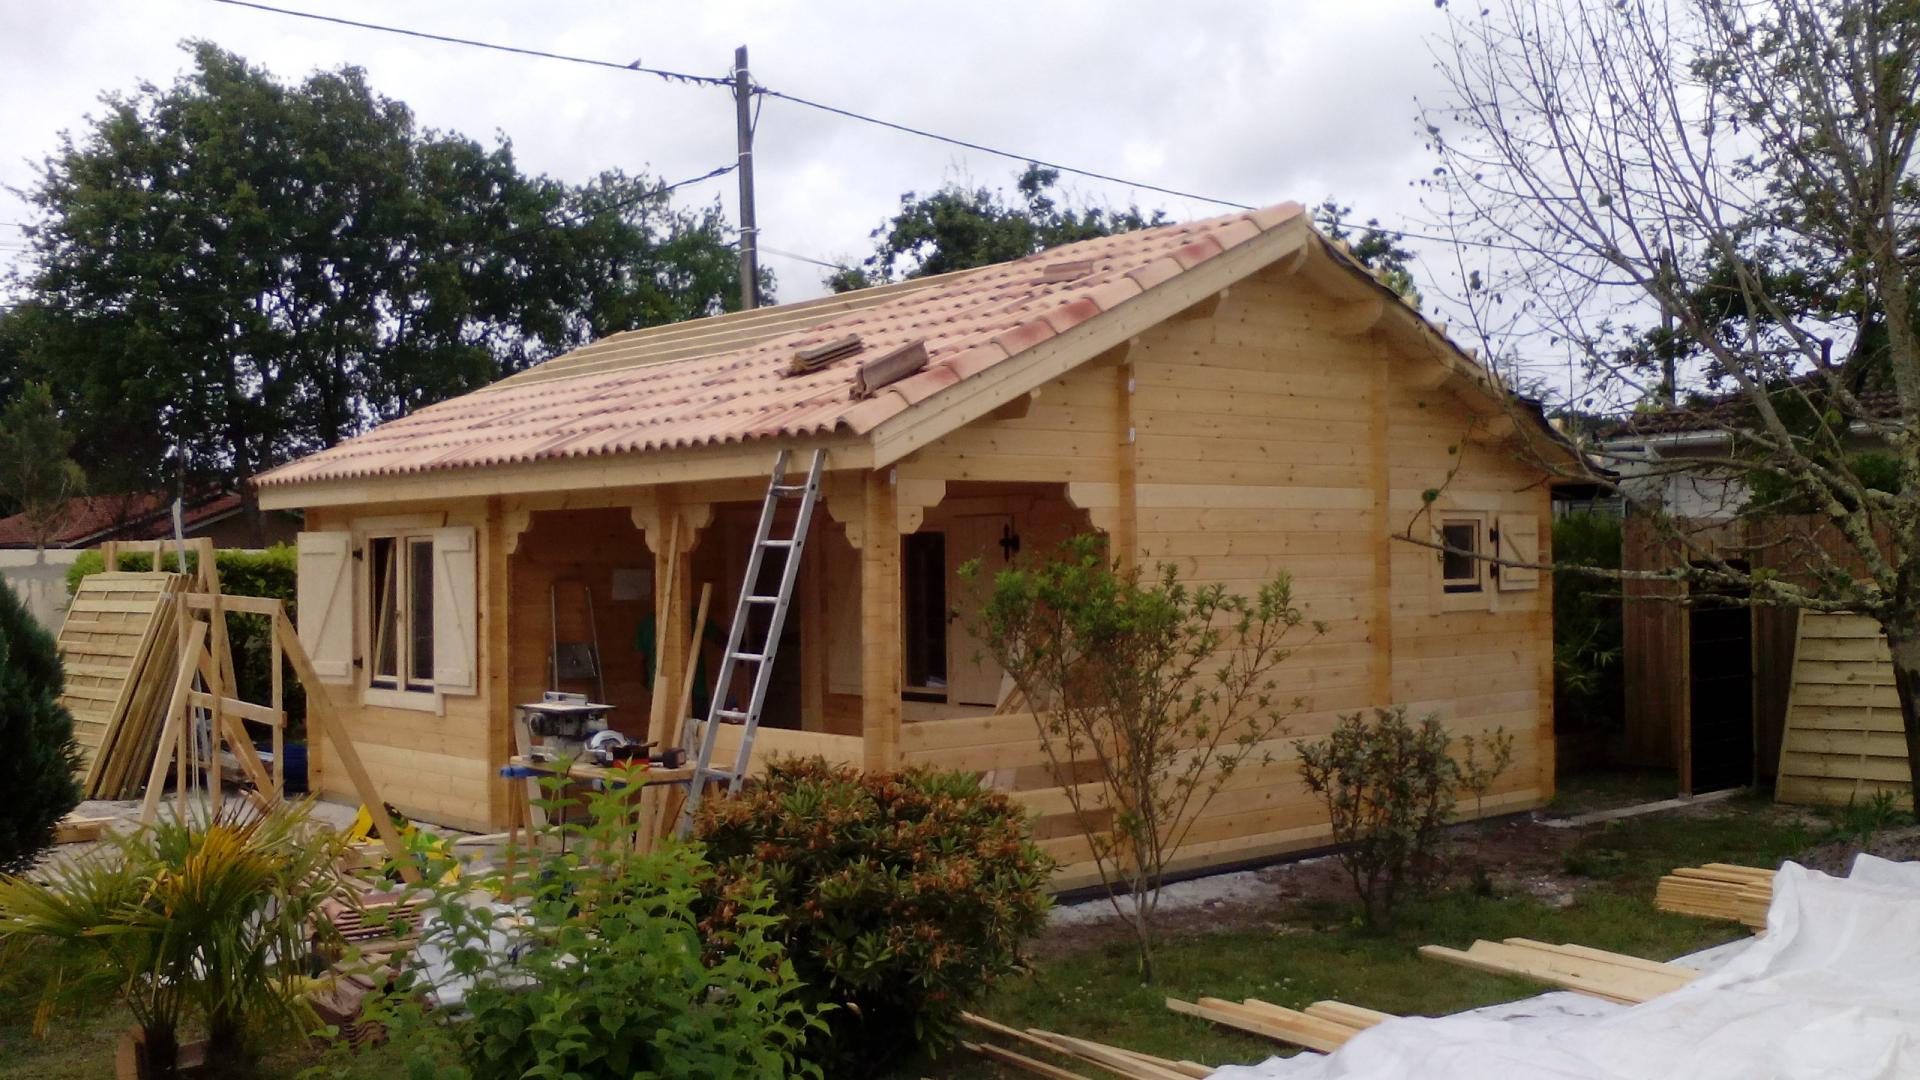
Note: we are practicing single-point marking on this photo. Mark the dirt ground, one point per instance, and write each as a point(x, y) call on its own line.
point(1520, 855)
point(1836, 856)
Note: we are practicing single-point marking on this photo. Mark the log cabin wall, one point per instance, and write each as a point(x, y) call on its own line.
point(435, 764)
point(1243, 440)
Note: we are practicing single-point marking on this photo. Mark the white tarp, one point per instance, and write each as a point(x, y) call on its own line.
point(1831, 992)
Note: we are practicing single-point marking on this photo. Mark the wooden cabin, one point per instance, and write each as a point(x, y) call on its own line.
point(1235, 395)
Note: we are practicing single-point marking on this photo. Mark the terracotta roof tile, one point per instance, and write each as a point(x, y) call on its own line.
point(723, 379)
point(124, 517)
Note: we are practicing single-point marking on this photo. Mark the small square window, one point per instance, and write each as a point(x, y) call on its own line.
point(1461, 571)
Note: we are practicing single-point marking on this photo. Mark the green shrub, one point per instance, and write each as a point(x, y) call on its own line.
point(37, 755)
point(601, 971)
point(272, 573)
point(1390, 787)
point(907, 895)
point(1860, 821)
point(188, 922)
point(1589, 672)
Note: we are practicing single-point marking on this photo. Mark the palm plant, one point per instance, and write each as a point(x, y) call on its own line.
point(197, 919)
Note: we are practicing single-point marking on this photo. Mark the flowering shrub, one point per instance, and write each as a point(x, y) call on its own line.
point(906, 895)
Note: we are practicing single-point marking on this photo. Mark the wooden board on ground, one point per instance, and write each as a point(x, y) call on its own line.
point(1324, 1025)
point(1617, 977)
point(1718, 891)
point(1843, 741)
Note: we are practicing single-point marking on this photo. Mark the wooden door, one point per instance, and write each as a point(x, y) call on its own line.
point(972, 677)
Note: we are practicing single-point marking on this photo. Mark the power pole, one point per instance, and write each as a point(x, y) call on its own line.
point(749, 234)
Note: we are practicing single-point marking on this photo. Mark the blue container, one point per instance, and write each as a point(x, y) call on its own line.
point(296, 768)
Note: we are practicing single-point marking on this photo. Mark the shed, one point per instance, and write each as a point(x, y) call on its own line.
point(1235, 395)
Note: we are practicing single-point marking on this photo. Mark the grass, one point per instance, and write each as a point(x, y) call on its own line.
point(1305, 953)
point(1606, 789)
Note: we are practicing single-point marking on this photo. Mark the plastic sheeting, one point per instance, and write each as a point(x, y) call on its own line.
point(1832, 991)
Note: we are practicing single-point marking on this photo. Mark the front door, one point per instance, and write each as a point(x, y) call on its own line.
point(973, 678)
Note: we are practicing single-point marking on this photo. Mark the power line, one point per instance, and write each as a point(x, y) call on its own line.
point(804, 258)
point(671, 76)
point(925, 134)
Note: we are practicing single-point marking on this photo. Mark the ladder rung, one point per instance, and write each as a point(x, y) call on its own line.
point(776, 543)
point(732, 714)
point(758, 658)
point(789, 489)
point(763, 599)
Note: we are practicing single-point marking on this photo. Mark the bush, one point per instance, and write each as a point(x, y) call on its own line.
point(1390, 788)
point(907, 896)
point(272, 573)
point(1589, 672)
point(37, 754)
point(189, 922)
point(603, 971)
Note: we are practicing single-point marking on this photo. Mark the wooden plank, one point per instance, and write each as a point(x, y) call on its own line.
point(881, 672)
point(189, 663)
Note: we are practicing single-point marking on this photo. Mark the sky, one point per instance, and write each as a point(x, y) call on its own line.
point(1252, 102)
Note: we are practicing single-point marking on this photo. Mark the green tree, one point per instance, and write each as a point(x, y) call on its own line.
point(37, 769)
point(1376, 248)
point(38, 475)
point(234, 270)
point(958, 228)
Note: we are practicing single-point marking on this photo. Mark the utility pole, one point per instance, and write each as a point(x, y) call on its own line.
point(749, 233)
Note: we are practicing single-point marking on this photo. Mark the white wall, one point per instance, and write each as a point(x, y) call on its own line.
point(40, 579)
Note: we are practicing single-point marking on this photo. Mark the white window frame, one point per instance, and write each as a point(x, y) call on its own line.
point(402, 692)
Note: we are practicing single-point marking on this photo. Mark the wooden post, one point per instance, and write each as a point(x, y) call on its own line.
point(191, 641)
point(880, 628)
point(1124, 541)
point(1380, 620)
point(277, 701)
point(672, 579)
point(320, 715)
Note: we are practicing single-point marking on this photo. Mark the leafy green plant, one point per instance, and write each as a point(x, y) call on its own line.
point(36, 769)
point(197, 920)
point(907, 895)
point(1147, 691)
point(1860, 821)
point(1390, 787)
point(592, 962)
point(273, 573)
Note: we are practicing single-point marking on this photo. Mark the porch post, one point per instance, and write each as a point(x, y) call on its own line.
point(880, 622)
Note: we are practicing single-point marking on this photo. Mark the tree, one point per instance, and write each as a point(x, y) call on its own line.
point(37, 770)
point(958, 228)
point(232, 271)
point(1148, 696)
point(1376, 248)
point(37, 474)
point(1724, 193)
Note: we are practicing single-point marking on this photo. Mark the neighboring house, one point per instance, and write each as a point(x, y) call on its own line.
point(1234, 395)
point(93, 519)
point(40, 577)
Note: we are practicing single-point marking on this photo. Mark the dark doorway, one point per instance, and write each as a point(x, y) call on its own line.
point(1720, 683)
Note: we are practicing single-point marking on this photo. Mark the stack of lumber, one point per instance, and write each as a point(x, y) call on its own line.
point(1718, 891)
point(119, 648)
point(1324, 1025)
point(1118, 1061)
point(1629, 980)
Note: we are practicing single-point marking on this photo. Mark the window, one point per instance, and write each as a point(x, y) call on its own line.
point(923, 577)
point(1461, 572)
point(400, 607)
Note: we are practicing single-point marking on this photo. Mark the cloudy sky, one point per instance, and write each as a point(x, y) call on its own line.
point(1254, 102)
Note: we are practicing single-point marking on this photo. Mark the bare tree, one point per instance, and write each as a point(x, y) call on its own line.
point(1719, 193)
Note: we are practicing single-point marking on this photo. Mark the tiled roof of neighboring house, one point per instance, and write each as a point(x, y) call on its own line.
point(724, 379)
point(91, 518)
point(1724, 413)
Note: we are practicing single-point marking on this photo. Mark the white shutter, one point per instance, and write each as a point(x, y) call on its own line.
point(455, 611)
point(324, 596)
point(1519, 541)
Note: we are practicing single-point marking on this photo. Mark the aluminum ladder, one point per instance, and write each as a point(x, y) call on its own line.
point(779, 491)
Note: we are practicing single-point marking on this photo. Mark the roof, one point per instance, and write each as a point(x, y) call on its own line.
point(724, 379)
point(1730, 411)
point(120, 517)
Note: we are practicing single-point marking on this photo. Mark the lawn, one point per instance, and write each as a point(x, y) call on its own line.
point(1290, 954)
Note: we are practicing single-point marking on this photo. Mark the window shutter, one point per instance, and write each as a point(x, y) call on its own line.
point(324, 596)
point(455, 611)
point(1519, 541)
